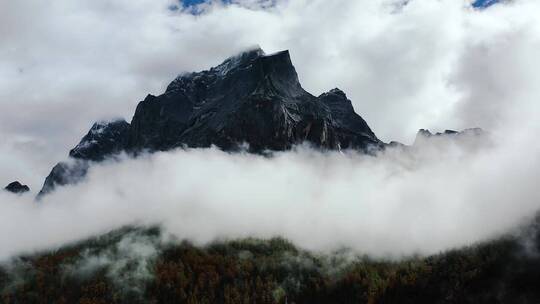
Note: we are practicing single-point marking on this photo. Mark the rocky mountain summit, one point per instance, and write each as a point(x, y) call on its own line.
point(251, 100)
point(17, 187)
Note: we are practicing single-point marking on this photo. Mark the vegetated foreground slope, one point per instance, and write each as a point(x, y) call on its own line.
point(135, 265)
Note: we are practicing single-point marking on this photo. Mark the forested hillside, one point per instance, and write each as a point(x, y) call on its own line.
point(138, 265)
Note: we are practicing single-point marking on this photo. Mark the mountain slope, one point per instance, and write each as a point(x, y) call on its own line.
point(112, 268)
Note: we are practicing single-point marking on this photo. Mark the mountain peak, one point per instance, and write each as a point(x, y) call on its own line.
point(242, 60)
point(424, 132)
point(238, 60)
point(336, 92)
point(252, 99)
point(103, 138)
point(253, 51)
point(17, 187)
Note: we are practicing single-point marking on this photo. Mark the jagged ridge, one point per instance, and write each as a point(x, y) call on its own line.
point(17, 187)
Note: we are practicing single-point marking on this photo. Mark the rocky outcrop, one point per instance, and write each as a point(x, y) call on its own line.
point(103, 139)
point(64, 173)
point(17, 187)
point(351, 129)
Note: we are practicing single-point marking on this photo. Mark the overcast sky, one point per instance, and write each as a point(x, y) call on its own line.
point(430, 64)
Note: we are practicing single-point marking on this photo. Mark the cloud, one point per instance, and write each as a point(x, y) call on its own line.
point(439, 195)
point(431, 64)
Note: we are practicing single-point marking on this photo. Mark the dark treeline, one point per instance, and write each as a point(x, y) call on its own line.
point(104, 270)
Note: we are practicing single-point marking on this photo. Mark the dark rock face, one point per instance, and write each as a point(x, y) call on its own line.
point(103, 139)
point(251, 98)
point(352, 130)
point(64, 174)
point(17, 187)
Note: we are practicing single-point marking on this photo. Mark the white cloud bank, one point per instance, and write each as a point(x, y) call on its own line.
point(399, 203)
point(434, 64)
